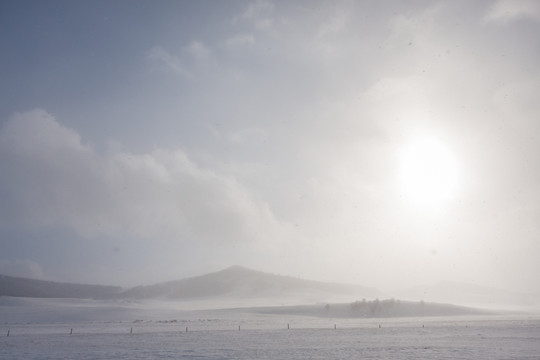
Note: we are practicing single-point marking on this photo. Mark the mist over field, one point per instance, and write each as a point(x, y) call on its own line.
point(239, 313)
point(254, 291)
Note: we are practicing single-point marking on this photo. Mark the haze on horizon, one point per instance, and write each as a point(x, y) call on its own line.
point(386, 144)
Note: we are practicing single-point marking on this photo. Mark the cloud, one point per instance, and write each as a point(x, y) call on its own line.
point(198, 50)
point(22, 268)
point(53, 181)
point(174, 63)
point(245, 135)
point(186, 62)
point(239, 40)
point(509, 10)
point(335, 20)
point(32, 132)
point(259, 13)
point(415, 28)
point(518, 100)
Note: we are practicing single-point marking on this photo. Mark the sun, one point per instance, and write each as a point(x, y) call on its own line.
point(428, 173)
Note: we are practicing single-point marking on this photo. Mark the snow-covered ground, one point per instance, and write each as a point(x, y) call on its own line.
point(214, 334)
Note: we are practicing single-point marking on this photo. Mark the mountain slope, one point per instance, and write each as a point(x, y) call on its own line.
point(22, 287)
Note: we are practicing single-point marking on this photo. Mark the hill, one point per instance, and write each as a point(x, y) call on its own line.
point(232, 283)
point(23, 287)
point(239, 282)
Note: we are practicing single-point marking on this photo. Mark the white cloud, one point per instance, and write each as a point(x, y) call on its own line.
point(198, 50)
point(414, 28)
point(239, 40)
point(185, 62)
point(245, 135)
point(519, 102)
point(22, 268)
point(36, 133)
point(56, 182)
point(258, 12)
point(508, 10)
point(335, 20)
point(158, 53)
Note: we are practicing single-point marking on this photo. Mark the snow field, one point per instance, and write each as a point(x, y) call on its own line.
point(219, 339)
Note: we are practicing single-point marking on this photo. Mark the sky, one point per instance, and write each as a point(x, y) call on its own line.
point(387, 144)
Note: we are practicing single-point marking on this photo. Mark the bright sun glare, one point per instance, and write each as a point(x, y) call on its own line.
point(428, 173)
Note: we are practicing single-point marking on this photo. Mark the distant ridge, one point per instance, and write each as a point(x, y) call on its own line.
point(233, 282)
point(370, 309)
point(23, 287)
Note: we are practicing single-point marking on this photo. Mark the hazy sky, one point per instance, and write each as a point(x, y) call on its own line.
point(385, 143)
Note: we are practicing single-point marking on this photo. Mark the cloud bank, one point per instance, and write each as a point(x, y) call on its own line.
point(54, 180)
